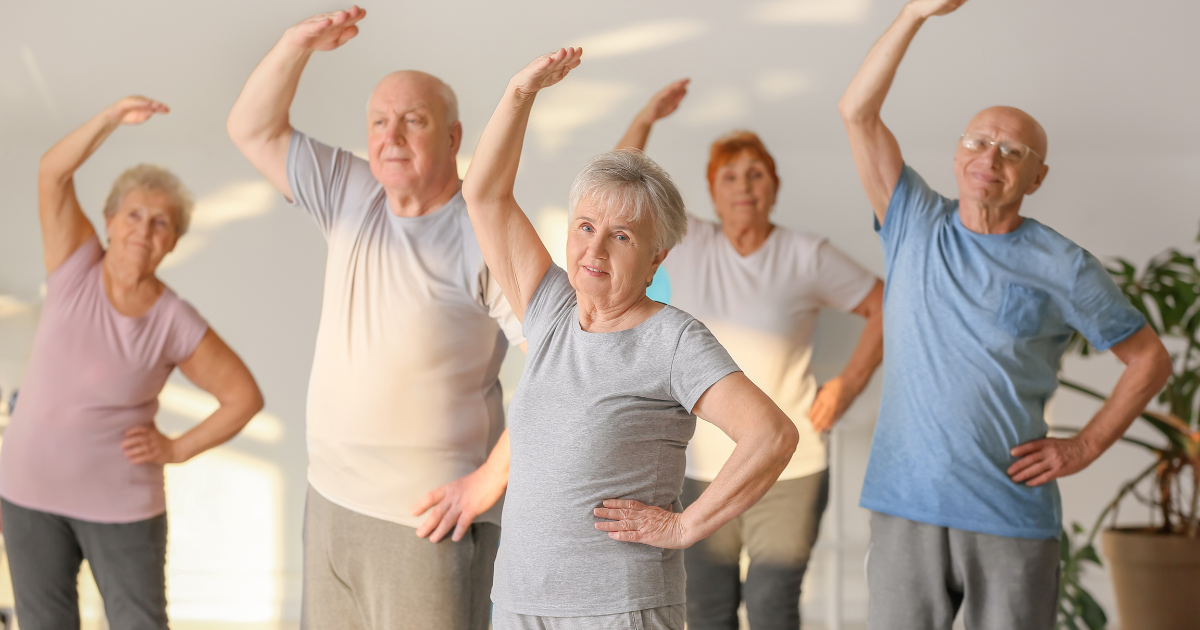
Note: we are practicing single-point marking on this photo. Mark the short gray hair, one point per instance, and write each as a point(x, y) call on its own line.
point(451, 99)
point(152, 178)
point(632, 184)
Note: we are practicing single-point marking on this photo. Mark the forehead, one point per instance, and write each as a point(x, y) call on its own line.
point(405, 94)
point(743, 159)
point(155, 200)
point(607, 214)
point(1005, 124)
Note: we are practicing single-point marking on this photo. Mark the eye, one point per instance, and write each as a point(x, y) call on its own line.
point(1012, 153)
point(622, 238)
point(585, 227)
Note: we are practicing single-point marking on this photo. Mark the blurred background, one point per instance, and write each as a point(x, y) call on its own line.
point(1114, 83)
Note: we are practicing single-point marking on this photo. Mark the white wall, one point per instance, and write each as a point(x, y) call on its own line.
point(1113, 82)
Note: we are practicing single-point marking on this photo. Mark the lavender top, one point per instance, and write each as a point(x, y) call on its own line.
point(94, 374)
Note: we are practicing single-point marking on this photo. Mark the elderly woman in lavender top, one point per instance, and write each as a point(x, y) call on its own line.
point(593, 525)
point(81, 473)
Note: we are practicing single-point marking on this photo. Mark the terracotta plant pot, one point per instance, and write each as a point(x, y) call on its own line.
point(1156, 578)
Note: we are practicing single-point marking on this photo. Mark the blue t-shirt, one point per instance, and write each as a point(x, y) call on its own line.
point(975, 326)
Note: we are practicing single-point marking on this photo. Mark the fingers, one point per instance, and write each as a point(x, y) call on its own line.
point(1025, 462)
point(429, 500)
point(618, 526)
point(623, 504)
point(449, 520)
point(1034, 471)
point(431, 522)
point(464, 521)
point(1028, 447)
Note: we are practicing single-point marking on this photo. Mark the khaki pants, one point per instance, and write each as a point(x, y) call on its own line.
point(363, 573)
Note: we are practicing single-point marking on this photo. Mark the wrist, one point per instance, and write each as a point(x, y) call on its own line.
point(912, 13)
point(689, 529)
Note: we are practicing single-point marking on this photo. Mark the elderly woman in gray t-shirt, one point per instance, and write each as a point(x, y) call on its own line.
point(600, 421)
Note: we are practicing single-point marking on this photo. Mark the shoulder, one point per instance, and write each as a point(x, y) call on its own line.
point(1058, 253)
point(179, 312)
point(75, 269)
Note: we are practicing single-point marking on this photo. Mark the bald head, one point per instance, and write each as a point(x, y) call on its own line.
point(416, 87)
point(1003, 121)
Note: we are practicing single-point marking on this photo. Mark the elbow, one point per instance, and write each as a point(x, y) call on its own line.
point(1164, 367)
point(848, 109)
point(787, 438)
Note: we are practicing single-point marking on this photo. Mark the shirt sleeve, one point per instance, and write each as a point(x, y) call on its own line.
point(188, 328)
point(553, 296)
point(699, 362)
point(500, 310)
point(326, 180)
point(1098, 309)
point(841, 282)
point(74, 270)
point(913, 210)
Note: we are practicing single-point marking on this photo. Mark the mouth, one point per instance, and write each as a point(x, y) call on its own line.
point(592, 271)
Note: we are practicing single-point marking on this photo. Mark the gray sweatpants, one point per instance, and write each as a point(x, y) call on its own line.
point(778, 533)
point(919, 575)
point(128, 561)
point(363, 573)
point(661, 618)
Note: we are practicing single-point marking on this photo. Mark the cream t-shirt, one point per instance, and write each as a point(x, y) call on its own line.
point(404, 394)
point(763, 308)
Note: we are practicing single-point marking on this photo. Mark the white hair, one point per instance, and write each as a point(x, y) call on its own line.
point(451, 99)
point(633, 185)
point(152, 178)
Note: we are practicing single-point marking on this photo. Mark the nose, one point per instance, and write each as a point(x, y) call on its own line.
point(396, 134)
point(598, 248)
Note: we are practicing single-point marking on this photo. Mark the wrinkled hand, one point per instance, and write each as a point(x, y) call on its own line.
point(930, 8)
point(326, 31)
point(633, 521)
point(456, 504)
point(545, 71)
point(665, 101)
point(135, 110)
point(145, 445)
point(1045, 460)
point(832, 400)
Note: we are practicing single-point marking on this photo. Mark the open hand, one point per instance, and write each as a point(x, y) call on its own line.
point(634, 521)
point(456, 504)
point(545, 71)
point(145, 445)
point(665, 101)
point(930, 8)
point(326, 31)
point(831, 402)
point(1042, 461)
point(135, 110)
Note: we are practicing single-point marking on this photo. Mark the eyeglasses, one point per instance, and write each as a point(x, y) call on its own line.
point(1013, 152)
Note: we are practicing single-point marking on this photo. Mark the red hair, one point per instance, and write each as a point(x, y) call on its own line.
point(733, 144)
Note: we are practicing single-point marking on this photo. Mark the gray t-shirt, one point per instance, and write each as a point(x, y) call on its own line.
point(597, 416)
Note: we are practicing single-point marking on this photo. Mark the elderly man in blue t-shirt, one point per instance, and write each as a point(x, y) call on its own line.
point(979, 305)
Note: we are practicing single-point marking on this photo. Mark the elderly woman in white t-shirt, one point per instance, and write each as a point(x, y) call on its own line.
point(600, 421)
point(759, 287)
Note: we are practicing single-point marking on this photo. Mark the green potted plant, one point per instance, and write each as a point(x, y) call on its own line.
point(1155, 568)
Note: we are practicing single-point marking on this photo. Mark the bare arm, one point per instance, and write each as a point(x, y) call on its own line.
point(64, 226)
point(876, 152)
point(662, 104)
point(766, 439)
point(258, 123)
point(839, 393)
point(1147, 367)
point(511, 247)
point(216, 369)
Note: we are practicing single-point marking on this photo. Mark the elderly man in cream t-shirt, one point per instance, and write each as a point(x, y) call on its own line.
point(404, 402)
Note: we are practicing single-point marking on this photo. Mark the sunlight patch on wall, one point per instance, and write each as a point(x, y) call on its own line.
point(229, 204)
point(640, 37)
point(810, 12)
point(196, 405)
point(779, 84)
point(721, 105)
point(551, 226)
point(225, 551)
point(571, 105)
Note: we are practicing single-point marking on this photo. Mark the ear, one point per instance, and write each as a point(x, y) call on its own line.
point(455, 137)
point(1037, 179)
point(654, 264)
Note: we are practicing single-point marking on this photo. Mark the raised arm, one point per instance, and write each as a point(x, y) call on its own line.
point(1147, 368)
point(64, 226)
point(662, 104)
point(216, 369)
point(511, 247)
point(766, 439)
point(258, 123)
point(876, 152)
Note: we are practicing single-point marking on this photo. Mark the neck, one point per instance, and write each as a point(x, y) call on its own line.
point(983, 218)
point(747, 237)
point(128, 287)
point(414, 203)
point(604, 315)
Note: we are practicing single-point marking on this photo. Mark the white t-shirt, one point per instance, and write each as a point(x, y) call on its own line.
point(763, 309)
point(404, 394)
